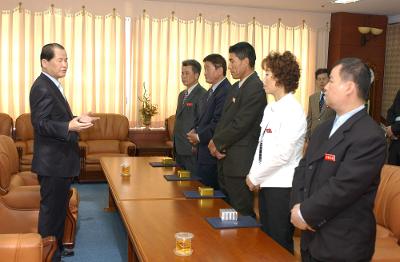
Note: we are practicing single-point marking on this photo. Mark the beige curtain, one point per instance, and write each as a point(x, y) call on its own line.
point(96, 52)
point(111, 59)
point(160, 45)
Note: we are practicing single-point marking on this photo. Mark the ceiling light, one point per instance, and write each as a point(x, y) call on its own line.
point(344, 1)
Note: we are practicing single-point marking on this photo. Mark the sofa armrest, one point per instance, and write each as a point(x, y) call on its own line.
point(83, 149)
point(22, 198)
point(127, 147)
point(21, 148)
point(83, 145)
point(49, 248)
point(24, 247)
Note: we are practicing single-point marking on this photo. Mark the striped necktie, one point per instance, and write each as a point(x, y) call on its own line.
point(210, 92)
point(321, 102)
point(185, 96)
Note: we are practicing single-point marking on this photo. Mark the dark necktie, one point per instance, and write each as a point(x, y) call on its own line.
point(321, 102)
point(210, 92)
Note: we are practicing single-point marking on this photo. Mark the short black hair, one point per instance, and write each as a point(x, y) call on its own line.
point(48, 51)
point(353, 69)
point(217, 60)
point(321, 71)
point(196, 67)
point(243, 50)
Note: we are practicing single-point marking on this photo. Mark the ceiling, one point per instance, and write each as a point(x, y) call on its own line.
point(378, 7)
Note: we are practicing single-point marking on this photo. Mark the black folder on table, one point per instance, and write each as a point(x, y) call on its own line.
point(196, 194)
point(243, 221)
point(159, 164)
point(177, 178)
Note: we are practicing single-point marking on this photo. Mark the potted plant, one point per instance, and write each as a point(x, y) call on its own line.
point(147, 109)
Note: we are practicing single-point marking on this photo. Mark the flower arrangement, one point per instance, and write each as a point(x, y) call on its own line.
point(147, 109)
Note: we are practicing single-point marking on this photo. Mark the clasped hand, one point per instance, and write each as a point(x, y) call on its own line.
point(214, 151)
point(192, 137)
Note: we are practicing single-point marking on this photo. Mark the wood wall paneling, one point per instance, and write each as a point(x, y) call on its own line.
point(344, 41)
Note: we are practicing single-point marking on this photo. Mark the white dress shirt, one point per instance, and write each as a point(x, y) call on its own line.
point(244, 79)
point(340, 120)
point(56, 82)
point(283, 129)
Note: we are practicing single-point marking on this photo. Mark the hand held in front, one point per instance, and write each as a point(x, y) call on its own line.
point(87, 118)
point(75, 125)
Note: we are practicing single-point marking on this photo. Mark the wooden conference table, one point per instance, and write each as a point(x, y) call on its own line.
point(153, 210)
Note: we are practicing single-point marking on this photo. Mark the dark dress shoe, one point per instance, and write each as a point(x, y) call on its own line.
point(67, 253)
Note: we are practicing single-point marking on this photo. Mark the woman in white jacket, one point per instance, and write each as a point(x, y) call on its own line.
point(280, 147)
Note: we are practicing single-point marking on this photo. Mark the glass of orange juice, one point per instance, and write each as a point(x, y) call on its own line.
point(125, 169)
point(183, 244)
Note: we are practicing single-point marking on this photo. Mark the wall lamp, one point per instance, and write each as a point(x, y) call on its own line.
point(367, 33)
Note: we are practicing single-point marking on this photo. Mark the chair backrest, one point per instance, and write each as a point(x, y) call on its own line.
point(169, 126)
point(6, 124)
point(108, 127)
point(5, 174)
point(387, 202)
point(24, 128)
point(8, 147)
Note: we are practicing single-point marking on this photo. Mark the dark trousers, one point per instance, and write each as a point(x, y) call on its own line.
point(306, 257)
point(208, 174)
point(238, 194)
point(275, 215)
point(54, 193)
point(187, 162)
point(394, 153)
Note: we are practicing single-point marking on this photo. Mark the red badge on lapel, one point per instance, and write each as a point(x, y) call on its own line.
point(330, 157)
point(189, 104)
point(268, 130)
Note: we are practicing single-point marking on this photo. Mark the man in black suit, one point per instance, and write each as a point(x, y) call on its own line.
point(236, 135)
point(56, 151)
point(393, 131)
point(210, 113)
point(187, 111)
point(335, 184)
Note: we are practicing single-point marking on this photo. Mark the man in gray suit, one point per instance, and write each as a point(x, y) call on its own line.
point(187, 111)
point(318, 111)
point(236, 135)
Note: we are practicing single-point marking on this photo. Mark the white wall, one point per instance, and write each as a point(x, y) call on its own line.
point(394, 19)
point(134, 8)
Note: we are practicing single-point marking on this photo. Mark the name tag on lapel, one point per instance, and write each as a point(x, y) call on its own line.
point(330, 157)
point(189, 104)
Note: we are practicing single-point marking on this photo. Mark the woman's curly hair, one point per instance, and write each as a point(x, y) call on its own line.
point(285, 69)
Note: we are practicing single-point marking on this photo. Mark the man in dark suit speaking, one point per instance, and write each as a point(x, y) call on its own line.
point(56, 151)
point(335, 184)
point(236, 135)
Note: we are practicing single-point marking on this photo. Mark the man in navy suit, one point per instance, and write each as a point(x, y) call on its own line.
point(56, 150)
point(335, 184)
point(211, 107)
